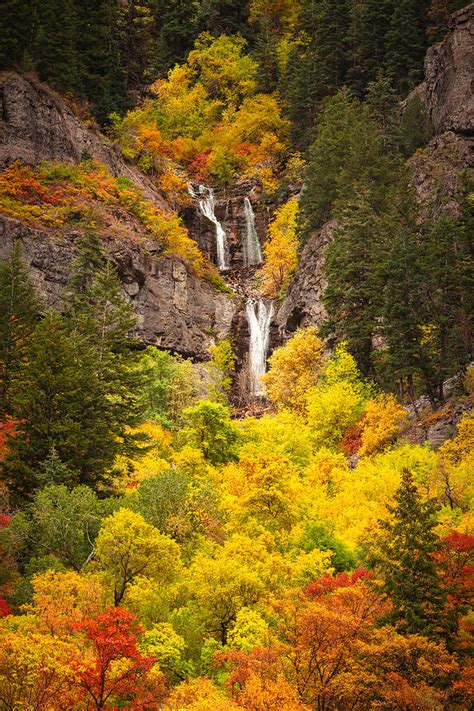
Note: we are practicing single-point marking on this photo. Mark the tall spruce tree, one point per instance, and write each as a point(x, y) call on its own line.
point(404, 358)
point(347, 149)
point(448, 275)
point(98, 311)
point(17, 20)
point(55, 50)
point(18, 310)
point(100, 59)
point(353, 295)
point(406, 43)
point(369, 22)
point(317, 64)
point(406, 562)
point(59, 404)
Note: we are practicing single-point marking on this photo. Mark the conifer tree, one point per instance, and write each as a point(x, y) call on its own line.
point(406, 43)
point(407, 564)
point(403, 306)
point(55, 45)
point(317, 65)
point(18, 309)
point(369, 22)
point(178, 26)
point(353, 293)
point(347, 148)
point(61, 405)
point(100, 57)
point(17, 20)
point(98, 311)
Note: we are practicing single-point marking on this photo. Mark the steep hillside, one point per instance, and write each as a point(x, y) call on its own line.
point(435, 171)
point(176, 308)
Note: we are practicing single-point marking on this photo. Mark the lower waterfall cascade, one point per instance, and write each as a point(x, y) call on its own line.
point(259, 317)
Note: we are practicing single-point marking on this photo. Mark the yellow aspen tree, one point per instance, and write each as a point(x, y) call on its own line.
point(281, 250)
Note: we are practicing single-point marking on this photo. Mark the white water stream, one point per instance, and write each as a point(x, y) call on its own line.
point(259, 316)
point(252, 251)
point(207, 204)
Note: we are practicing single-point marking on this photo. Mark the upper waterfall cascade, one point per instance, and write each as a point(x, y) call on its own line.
point(259, 316)
point(206, 201)
point(252, 251)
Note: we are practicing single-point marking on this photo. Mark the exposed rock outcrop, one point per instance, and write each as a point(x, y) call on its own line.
point(175, 309)
point(303, 305)
point(36, 125)
point(437, 172)
point(229, 210)
point(447, 90)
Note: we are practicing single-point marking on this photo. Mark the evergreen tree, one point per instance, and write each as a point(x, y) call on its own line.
point(55, 51)
point(317, 64)
point(224, 17)
point(17, 20)
point(60, 404)
point(347, 149)
point(384, 107)
point(448, 276)
point(416, 128)
point(177, 24)
point(369, 22)
point(353, 295)
point(18, 309)
point(403, 306)
point(407, 43)
point(407, 564)
point(137, 29)
point(100, 57)
point(98, 311)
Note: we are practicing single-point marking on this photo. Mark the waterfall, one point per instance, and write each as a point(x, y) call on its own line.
point(207, 203)
point(251, 245)
point(259, 317)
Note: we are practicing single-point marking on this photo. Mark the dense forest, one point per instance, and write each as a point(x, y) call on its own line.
point(284, 522)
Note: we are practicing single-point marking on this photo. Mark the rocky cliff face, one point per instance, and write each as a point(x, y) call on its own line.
point(303, 305)
point(36, 125)
point(449, 81)
point(447, 93)
point(175, 309)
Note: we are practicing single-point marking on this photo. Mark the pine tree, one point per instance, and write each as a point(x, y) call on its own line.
point(446, 266)
point(347, 148)
point(407, 564)
point(98, 311)
point(406, 43)
point(60, 404)
point(18, 309)
point(178, 26)
point(369, 22)
point(100, 57)
point(403, 306)
point(384, 106)
point(54, 50)
point(317, 65)
point(17, 20)
point(224, 17)
point(353, 295)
